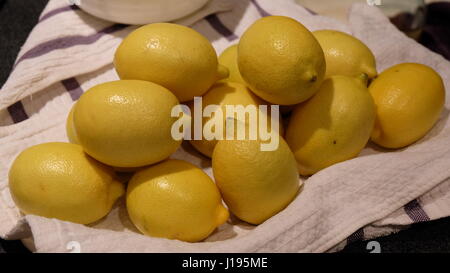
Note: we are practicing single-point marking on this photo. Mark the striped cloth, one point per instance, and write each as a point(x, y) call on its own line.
point(375, 194)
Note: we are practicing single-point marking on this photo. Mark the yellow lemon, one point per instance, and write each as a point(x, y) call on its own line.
point(229, 94)
point(174, 56)
point(255, 184)
point(228, 58)
point(58, 180)
point(126, 123)
point(333, 126)
point(280, 60)
point(70, 129)
point(409, 99)
point(72, 136)
point(345, 54)
point(176, 200)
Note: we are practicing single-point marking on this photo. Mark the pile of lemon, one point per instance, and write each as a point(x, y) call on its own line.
point(332, 99)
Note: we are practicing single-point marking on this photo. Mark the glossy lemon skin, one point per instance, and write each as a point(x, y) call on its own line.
point(409, 99)
point(223, 94)
point(255, 184)
point(229, 59)
point(345, 54)
point(334, 126)
point(280, 60)
point(70, 129)
point(175, 200)
point(174, 56)
point(126, 123)
point(58, 180)
point(73, 138)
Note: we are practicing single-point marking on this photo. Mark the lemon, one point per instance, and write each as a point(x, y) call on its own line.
point(175, 200)
point(223, 95)
point(409, 99)
point(280, 60)
point(345, 54)
point(174, 56)
point(255, 184)
point(126, 123)
point(333, 126)
point(70, 130)
point(73, 138)
point(228, 59)
point(58, 180)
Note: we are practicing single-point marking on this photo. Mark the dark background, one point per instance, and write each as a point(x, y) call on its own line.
point(17, 18)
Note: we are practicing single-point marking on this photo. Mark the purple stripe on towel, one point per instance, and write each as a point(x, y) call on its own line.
point(310, 11)
point(261, 11)
point(58, 11)
point(356, 236)
point(215, 22)
point(416, 212)
point(73, 87)
point(17, 112)
point(68, 41)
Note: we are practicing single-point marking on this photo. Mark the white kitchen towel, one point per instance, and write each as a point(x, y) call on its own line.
point(375, 194)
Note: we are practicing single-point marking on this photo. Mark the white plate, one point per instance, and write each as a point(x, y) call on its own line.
point(140, 12)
